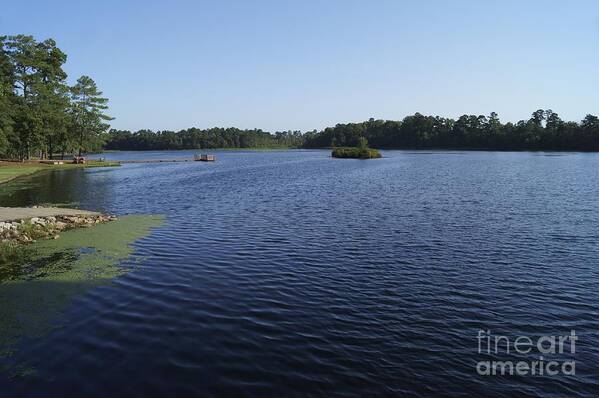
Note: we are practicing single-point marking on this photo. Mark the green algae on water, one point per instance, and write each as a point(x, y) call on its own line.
point(59, 270)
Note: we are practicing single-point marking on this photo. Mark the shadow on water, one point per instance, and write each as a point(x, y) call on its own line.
point(43, 187)
point(26, 263)
point(44, 278)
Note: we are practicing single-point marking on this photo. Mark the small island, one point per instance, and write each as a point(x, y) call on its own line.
point(361, 151)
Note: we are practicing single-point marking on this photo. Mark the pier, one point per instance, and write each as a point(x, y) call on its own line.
point(196, 158)
point(155, 161)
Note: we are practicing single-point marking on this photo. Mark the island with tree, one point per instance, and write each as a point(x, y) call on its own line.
point(360, 151)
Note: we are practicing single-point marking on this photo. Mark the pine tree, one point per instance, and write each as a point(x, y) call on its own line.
point(87, 113)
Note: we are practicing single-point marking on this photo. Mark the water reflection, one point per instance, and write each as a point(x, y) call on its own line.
point(86, 188)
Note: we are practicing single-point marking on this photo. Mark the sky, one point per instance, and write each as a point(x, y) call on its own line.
point(303, 65)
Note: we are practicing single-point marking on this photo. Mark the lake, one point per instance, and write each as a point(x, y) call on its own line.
point(288, 273)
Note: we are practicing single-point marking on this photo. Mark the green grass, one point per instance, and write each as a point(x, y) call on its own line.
point(355, 153)
point(90, 163)
point(7, 173)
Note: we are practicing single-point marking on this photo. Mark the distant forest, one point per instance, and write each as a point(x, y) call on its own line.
point(194, 138)
point(543, 131)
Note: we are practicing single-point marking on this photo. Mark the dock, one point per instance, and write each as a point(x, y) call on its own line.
point(196, 158)
point(205, 158)
point(155, 161)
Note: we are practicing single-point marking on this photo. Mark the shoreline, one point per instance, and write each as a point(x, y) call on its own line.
point(23, 225)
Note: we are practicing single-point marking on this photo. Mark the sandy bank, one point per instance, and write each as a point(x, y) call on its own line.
point(24, 213)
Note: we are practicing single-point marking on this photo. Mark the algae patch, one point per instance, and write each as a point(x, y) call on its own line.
point(51, 273)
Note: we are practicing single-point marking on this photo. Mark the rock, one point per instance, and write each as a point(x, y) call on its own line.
point(38, 221)
point(48, 227)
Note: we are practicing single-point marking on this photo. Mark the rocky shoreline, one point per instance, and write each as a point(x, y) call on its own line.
point(31, 229)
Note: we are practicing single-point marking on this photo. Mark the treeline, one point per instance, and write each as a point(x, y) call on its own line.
point(543, 131)
point(195, 138)
point(40, 114)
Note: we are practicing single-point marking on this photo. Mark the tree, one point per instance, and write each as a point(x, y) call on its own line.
point(362, 143)
point(6, 98)
point(87, 113)
point(24, 57)
point(544, 130)
point(53, 99)
point(590, 132)
point(37, 90)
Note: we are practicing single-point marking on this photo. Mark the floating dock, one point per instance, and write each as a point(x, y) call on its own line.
point(196, 158)
point(155, 161)
point(204, 158)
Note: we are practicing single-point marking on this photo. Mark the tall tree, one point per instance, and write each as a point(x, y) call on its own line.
point(53, 99)
point(6, 98)
point(22, 51)
point(88, 120)
point(38, 89)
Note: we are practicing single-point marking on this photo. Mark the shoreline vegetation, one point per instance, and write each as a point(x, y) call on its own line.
point(543, 131)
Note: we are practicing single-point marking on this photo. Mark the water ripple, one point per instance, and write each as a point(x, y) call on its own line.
point(288, 274)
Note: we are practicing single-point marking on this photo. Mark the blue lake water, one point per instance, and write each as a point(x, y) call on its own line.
point(289, 273)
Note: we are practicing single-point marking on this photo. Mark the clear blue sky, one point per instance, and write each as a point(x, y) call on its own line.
point(304, 64)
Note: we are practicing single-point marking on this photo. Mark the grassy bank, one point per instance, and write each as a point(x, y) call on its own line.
point(12, 170)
